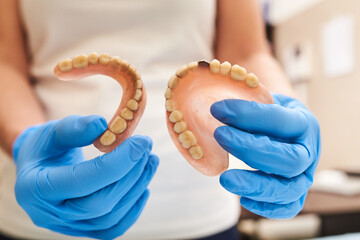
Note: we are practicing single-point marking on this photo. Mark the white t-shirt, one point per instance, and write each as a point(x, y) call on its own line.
point(157, 36)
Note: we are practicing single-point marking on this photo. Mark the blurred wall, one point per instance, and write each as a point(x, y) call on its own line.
point(282, 10)
point(334, 100)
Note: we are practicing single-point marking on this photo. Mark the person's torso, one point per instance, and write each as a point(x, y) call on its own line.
point(157, 36)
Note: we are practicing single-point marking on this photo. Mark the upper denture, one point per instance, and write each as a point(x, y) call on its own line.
point(190, 93)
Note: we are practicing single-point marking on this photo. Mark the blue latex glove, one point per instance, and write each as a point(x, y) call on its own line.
point(281, 140)
point(59, 190)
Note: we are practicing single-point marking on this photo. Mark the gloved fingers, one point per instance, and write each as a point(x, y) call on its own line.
point(262, 187)
point(82, 179)
point(263, 153)
point(122, 207)
point(268, 119)
point(272, 210)
point(114, 199)
point(38, 215)
point(287, 101)
point(77, 131)
point(68, 231)
point(114, 231)
point(126, 222)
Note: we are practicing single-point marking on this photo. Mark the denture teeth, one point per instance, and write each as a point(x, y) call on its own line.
point(132, 104)
point(136, 75)
point(238, 73)
point(192, 66)
point(107, 138)
point(65, 65)
point(119, 125)
point(252, 80)
point(115, 61)
point(175, 116)
point(215, 66)
point(225, 68)
point(168, 93)
point(138, 84)
point(179, 127)
point(80, 61)
point(127, 114)
point(133, 72)
point(173, 82)
point(182, 71)
point(124, 65)
point(93, 58)
point(132, 68)
point(187, 139)
point(138, 94)
point(104, 59)
point(170, 105)
point(196, 152)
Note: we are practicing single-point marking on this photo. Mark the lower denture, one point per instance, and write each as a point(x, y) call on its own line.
point(133, 101)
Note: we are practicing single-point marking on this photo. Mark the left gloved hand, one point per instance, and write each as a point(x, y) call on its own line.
point(281, 140)
point(61, 191)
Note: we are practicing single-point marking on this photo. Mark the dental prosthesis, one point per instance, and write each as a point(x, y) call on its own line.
point(132, 104)
point(189, 96)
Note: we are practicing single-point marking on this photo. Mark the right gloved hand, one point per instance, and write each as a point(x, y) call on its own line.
point(59, 190)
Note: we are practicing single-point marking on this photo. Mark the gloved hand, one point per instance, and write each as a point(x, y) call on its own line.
point(281, 140)
point(59, 190)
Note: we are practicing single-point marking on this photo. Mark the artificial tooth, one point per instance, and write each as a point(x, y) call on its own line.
point(192, 66)
point(170, 105)
point(127, 114)
point(132, 105)
point(80, 61)
point(179, 127)
point(182, 71)
point(115, 61)
point(175, 116)
point(65, 65)
point(133, 72)
point(187, 139)
point(138, 94)
point(252, 80)
point(136, 75)
point(104, 59)
point(132, 68)
point(118, 125)
point(173, 82)
point(196, 152)
point(93, 58)
point(215, 66)
point(107, 138)
point(238, 73)
point(168, 93)
point(225, 67)
point(124, 65)
point(138, 84)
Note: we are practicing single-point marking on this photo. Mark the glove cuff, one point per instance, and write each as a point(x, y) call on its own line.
point(20, 139)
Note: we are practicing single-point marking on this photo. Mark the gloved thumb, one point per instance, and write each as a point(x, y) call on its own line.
point(77, 131)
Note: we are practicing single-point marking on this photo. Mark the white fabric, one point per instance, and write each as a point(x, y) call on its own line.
point(157, 36)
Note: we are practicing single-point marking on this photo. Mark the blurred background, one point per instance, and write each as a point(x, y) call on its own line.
point(317, 43)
